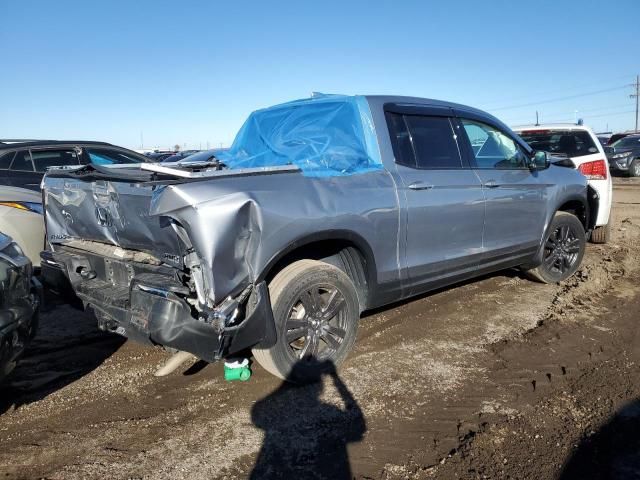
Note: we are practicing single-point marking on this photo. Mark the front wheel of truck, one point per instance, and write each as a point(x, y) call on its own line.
point(315, 308)
point(563, 249)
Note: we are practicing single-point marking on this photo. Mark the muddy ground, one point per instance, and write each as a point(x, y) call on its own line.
point(496, 378)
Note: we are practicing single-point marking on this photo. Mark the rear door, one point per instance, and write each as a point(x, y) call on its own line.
point(515, 197)
point(444, 205)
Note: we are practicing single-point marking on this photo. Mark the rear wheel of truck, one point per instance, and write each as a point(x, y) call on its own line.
point(601, 234)
point(563, 249)
point(315, 308)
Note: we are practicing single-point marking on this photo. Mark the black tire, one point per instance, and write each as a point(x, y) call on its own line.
point(634, 168)
point(563, 249)
point(308, 344)
point(601, 234)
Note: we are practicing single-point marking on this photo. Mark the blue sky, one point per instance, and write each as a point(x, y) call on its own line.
point(189, 72)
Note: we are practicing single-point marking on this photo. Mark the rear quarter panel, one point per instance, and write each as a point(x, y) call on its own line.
point(238, 225)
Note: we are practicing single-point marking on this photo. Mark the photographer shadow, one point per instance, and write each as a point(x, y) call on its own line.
point(305, 436)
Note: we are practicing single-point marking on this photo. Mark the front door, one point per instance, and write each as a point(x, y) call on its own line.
point(515, 197)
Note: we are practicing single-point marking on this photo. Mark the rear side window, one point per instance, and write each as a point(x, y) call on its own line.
point(107, 156)
point(434, 142)
point(568, 143)
point(5, 160)
point(425, 142)
point(22, 162)
point(401, 140)
point(54, 158)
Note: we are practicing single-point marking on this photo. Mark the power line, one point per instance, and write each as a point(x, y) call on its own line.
point(560, 99)
point(554, 91)
point(612, 114)
point(544, 116)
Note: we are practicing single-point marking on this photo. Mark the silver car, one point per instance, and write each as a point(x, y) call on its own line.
point(321, 209)
point(21, 219)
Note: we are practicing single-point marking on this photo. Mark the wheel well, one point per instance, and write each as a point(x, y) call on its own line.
point(577, 208)
point(342, 254)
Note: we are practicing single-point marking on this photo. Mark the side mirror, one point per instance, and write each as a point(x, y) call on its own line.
point(539, 160)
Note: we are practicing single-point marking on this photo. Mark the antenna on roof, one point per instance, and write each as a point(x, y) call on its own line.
point(537, 121)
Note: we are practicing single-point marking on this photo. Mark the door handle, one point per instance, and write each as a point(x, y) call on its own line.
point(420, 186)
point(490, 184)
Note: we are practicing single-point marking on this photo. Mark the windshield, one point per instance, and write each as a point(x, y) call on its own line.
point(572, 143)
point(110, 156)
point(627, 142)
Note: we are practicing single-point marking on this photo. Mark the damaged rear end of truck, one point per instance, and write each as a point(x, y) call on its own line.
point(139, 252)
point(176, 254)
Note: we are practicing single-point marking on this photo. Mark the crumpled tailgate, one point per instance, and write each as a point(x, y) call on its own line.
point(108, 211)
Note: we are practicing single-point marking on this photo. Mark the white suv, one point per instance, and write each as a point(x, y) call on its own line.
point(580, 144)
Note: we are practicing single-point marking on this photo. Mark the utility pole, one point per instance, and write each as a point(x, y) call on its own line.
point(537, 121)
point(636, 96)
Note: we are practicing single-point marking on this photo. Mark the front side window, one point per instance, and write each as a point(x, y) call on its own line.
point(492, 148)
point(107, 156)
point(22, 162)
point(569, 143)
point(54, 158)
point(426, 142)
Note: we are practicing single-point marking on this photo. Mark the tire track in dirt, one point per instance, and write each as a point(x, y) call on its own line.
point(588, 326)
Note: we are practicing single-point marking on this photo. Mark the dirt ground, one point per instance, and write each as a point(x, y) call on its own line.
point(496, 378)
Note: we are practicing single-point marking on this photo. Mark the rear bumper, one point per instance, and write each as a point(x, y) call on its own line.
point(150, 307)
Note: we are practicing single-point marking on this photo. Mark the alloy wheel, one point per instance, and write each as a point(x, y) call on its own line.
point(561, 249)
point(316, 323)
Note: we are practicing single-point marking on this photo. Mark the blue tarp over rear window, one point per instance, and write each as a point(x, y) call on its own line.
point(324, 136)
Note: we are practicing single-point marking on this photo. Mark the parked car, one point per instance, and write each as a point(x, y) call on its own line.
point(159, 156)
point(20, 296)
point(200, 156)
point(176, 157)
point(580, 145)
point(624, 155)
point(21, 218)
point(321, 209)
point(22, 164)
point(617, 136)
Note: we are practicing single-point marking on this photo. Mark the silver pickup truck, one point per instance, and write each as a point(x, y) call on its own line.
point(321, 209)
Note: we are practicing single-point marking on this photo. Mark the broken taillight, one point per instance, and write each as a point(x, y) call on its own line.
point(596, 170)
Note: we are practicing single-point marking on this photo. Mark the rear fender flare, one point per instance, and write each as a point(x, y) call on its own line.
point(327, 235)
